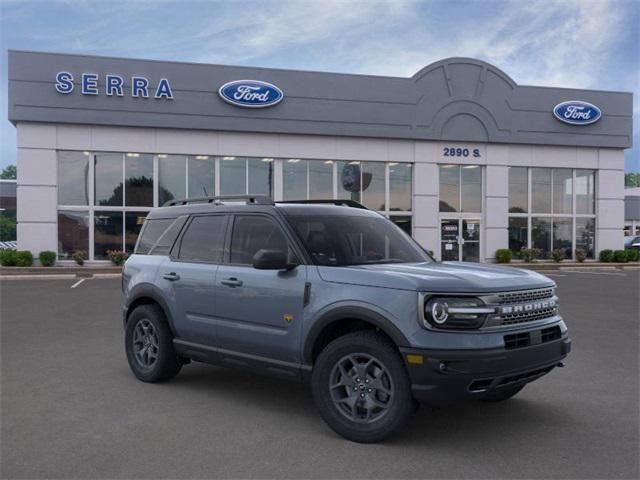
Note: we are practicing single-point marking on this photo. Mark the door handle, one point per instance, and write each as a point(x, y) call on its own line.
point(171, 276)
point(231, 282)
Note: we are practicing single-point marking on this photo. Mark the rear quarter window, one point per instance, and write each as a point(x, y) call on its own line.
point(158, 235)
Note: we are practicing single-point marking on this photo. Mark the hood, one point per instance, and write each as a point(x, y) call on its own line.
point(455, 277)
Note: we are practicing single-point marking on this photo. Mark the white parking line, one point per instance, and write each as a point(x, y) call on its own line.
point(78, 283)
point(554, 274)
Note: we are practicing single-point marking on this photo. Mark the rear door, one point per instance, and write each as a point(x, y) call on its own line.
point(187, 277)
point(259, 312)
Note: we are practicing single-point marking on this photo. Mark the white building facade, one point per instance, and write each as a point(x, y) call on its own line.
point(459, 156)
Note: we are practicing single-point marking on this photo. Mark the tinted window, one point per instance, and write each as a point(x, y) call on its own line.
point(252, 233)
point(151, 233)
point(204, 239)
point(355, 240)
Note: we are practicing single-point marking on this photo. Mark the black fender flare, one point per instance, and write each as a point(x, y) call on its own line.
point(147, 290)
point(353, 313)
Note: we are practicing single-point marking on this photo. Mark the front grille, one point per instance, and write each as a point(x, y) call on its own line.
point(524, 297)
point(520, 340)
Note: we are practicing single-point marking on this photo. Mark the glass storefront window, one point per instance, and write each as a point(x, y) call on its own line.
point(320, 179)
point(373, 181)
point(541, 190)
point(562, 235)
point(133, 222)
point(73, 233)
point(585, 192)
point(294, 179)
point(233, 176)
point(517, 235)
point(171, 178)
point(449, 188)
point(349, 180)
point(400, 176)
point(562, 190)
point(108, 179)
point(585, 235)
point(201, 176)
point(107, 233)
point(138, 171)
point(541, 235)
point(471, 191)
point(73, 178)
point(518, 190)
point(260, 176)
point(403, 222)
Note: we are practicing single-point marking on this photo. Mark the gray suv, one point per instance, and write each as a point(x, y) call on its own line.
point(333, 294)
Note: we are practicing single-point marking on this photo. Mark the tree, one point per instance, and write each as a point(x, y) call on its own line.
point(632, 180)
point(9, 172)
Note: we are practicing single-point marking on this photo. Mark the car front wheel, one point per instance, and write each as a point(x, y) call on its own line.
point(361, 387)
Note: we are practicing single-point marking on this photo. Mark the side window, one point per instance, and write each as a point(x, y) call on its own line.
point(150, 234)
point(252, 233)
point(203, 240)
point(168, 238)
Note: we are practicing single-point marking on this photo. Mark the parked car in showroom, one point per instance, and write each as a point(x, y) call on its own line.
point(336, 295)
point(632, 242)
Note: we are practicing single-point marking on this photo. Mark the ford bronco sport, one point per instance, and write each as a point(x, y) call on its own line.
point(334, 294)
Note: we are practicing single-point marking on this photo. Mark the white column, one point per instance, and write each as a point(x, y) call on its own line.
point(610, 200)
point(37, 188)
point(496, 210)
point(426, 189)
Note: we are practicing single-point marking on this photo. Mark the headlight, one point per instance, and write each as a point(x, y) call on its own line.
point(455, 312)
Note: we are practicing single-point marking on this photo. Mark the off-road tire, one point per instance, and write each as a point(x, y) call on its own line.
point(400, 405)
point(166, 364)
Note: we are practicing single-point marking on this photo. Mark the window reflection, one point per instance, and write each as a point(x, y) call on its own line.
point(201, 176)
point(562, 190)
point(294, 179)
point(585, 191)
point(562, 235)
point(518, 190)
point(541, 190)
point(517, 235)
point(138, 169)
point(373, 178)
point(233, 176)
point(73, 233)
point(471, 192)
point(73, 178)
point(585, 235)
point(541, 235)
point(449, 188)
point(260, 176)
point(133, 222)
point(107, 233)
point(171, 177)
point(349, 180)
point(400, 186)
point(108, 179)
point(320, 179)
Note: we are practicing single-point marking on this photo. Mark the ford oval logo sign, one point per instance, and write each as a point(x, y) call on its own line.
point(577, 112)
point(251, 93)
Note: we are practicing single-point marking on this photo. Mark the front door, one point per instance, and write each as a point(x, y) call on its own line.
point(259, 312)
point(460, 239)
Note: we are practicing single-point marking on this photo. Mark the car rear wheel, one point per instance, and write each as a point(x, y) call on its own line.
point(361, 387)
point(149, 345)
point(501, 394)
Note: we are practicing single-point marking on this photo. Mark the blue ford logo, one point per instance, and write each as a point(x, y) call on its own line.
point(250, 93)
point(576, 112)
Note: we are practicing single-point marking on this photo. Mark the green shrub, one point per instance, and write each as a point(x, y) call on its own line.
point(503, 255)
point(620, 256)
point(117, 257)
point(431, 254)
point(47, 258)
point(606, 255)
point(558, 255)
point(24, 258)
point(526, 254)
point(79, 256)
point(8, 258)
point(633, 255)
point(581, 254)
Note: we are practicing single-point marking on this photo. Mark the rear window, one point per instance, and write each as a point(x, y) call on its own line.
point(158, 235)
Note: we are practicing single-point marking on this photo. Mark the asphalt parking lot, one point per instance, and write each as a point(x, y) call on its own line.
point(71, 408)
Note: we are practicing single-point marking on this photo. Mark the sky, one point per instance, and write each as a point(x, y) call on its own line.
point(565, 43)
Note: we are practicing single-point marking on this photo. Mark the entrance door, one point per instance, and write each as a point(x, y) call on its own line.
point(460, 239)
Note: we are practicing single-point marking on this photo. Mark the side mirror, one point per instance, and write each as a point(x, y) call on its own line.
point(271, 260)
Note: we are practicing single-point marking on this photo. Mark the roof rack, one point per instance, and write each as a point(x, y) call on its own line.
point(250, 200)
point(339, 202)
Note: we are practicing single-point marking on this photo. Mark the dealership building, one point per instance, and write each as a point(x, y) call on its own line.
point(458, 155)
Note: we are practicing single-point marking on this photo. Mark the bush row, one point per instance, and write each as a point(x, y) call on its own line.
point(504, 255)
point(24, 258)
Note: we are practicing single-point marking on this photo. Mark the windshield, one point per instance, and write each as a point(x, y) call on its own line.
point(355, 240)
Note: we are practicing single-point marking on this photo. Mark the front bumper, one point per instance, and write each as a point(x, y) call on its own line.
point(450, 376)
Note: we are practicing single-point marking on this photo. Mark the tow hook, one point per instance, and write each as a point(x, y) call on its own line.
point(560, 364)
